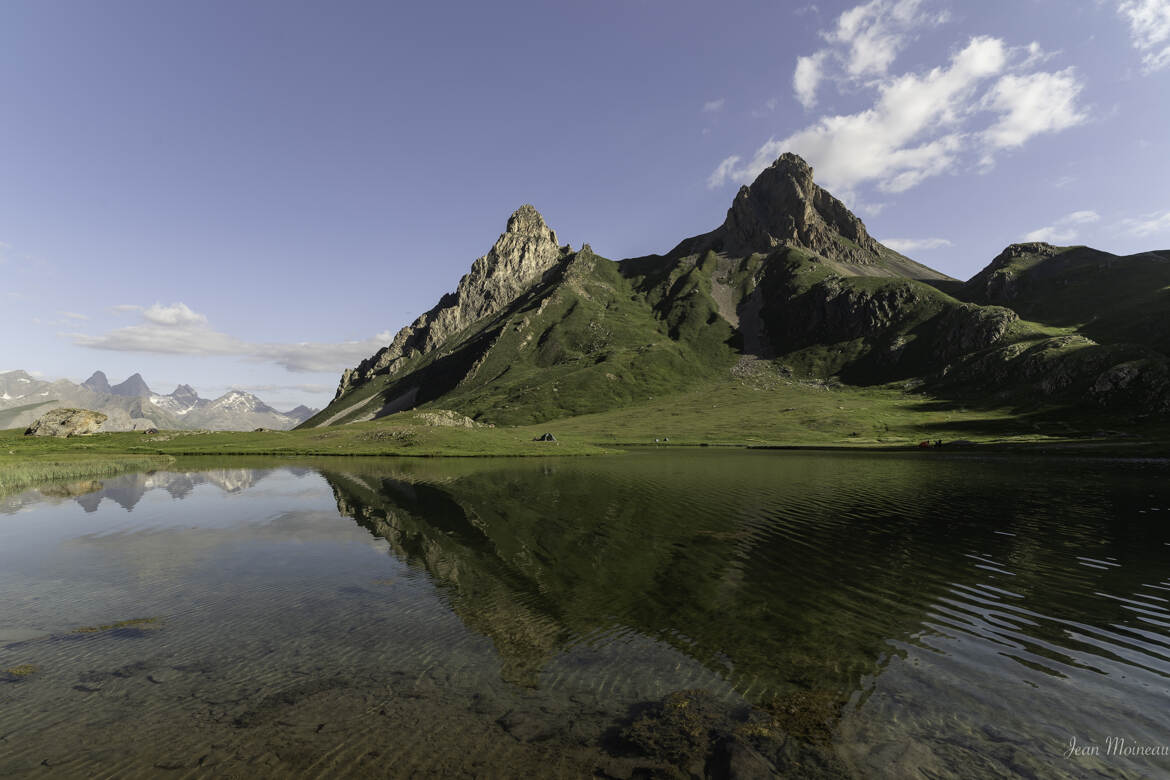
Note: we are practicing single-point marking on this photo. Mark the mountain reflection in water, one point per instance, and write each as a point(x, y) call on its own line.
point(716, 612)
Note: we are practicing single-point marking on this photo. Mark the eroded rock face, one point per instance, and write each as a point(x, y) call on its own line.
point(67, 422)
point(969, 328)
point(1138, 384)
point(784, 207)
point(522, 254)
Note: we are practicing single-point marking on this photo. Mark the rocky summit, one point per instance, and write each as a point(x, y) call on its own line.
point(523, 253)
point(98, 383)
point(784, 207)
point(792, 285)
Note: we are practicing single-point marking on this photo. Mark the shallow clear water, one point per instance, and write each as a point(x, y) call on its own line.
point(681, 612)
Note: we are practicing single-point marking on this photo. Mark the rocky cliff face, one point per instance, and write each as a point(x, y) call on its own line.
point(523, 253)
point(784, 207)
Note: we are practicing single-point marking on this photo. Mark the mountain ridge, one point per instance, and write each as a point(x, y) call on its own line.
point(23, 398)
point(792, 280)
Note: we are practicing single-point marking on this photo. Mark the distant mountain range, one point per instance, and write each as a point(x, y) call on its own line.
point(132, 405)
point(790, 283)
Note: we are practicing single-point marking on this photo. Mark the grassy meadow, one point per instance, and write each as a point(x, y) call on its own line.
point(758, 408)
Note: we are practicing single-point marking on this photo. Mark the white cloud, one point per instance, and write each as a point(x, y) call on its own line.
point(888, 143)
point(177, 330)
point(905, 245)
point(73, 315)
point(4, 250)
point(176, 314)
point(1032, 104)
point(1082, 217)
point(1063, 230)
point(308, 388)
point(1148, 225)
point(725, 171)
point(873, 34)
point(1149, 26)
point(807, 77)
point(864, 44)
point(986, 98)
point(125, 307)
point(713, 106)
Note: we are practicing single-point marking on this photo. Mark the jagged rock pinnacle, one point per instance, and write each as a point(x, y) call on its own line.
point(526, 220)
point(522, 254)
point(98, 382)
point(784, 207)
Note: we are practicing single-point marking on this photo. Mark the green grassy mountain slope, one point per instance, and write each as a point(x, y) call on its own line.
point(1107, 298)
point(1101, 336)
point(791, 280)
point(581, 340)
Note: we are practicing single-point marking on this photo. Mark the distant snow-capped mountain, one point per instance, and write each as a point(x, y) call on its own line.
point(132, 405)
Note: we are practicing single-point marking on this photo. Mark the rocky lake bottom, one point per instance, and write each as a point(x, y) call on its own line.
point(665, 613)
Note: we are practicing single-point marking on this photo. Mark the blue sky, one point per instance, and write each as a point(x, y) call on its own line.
point(258, 194)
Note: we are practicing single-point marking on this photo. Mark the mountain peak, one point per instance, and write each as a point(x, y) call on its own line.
point(524, 252)
point(185, 394)
point(134, 386)
point(527, 221)
point(300, 413)
point(785, 207)
point(97, 383)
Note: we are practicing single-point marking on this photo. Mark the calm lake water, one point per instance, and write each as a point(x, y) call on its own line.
point(677, 613)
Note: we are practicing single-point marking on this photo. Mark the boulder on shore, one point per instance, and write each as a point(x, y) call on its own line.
point(67, 422)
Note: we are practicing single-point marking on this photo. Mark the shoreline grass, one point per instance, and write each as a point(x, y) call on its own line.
point(21, 472)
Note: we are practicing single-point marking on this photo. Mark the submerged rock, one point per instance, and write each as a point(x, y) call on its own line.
point(63, 423)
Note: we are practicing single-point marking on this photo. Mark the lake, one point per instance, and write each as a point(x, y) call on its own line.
point(718, 613)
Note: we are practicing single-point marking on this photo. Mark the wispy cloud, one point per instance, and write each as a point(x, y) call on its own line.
point(4, 250)
point(1065, 229)
point(714, 106)
point(862, 45)
point(1148, 225)
point(176, 314)
point(1032, 104)
point(72, 315)
point(910, 133)
point(987, 98)
point(905, 245)
point(177, 330)
point(807, 77)
point(875, 33)
point(304, 388)
point(728, 169)
point(1149, 27)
